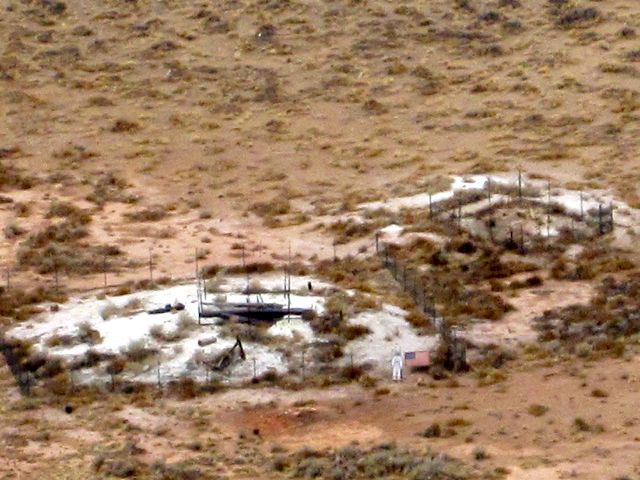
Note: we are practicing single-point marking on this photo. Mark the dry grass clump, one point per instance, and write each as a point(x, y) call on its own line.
point(494, 356)
point(578, 17)
point(184, 388)
point(382, 461)
point(12, 231)
point(42, 365)
point(479, 304)
point(109, 310)
point(338, 308)
point(350, 272)
point(490, 376)
point(581, 425)
point(109, 187)
point(345, 231)
point(59, 247)
point(57, 340)
point(432, 431)
point(185, 325)
point(490, 265)
point(328, 352)
point(115, 367)
point(606, 326)
point(10, 176)
point(19, 304)
point(529, 282)
point(150, 214)
point(352, 332)
point(352, 373)
point(272, 209)
point(67, 231)
point(250, 267)
point(453, 276)
point(121, 462)
point(137, 351)
point(247, 332)
point(599, 393)
point(85, 334)
point(537, 410)
point(90, 359)
point(125, 126)
point(69, 212)
point(178, 471)
point(596, 259)
point(418, 320)
point(480, 454)
point(144, 284)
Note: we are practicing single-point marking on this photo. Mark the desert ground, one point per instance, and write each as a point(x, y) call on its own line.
point(469, 160)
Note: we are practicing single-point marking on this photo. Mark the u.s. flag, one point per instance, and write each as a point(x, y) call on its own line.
point(417, 359)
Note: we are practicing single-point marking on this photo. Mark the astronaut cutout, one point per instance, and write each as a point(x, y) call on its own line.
point(396, 366)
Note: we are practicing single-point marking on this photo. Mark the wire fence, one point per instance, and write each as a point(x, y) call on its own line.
point(453, 215)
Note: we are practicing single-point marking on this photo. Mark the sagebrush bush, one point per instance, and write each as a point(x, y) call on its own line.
point(150, 214)
point(137, 351)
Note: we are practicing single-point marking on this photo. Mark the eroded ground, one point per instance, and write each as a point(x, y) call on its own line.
point(214, 433)
point(173, 130)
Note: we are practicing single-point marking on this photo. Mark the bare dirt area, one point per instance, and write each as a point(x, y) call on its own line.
point(496, 418)
point(452, 176)
point(237, 115)
point(553, 421)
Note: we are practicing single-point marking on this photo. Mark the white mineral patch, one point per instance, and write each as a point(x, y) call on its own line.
point(390, 332)
point(121, 329)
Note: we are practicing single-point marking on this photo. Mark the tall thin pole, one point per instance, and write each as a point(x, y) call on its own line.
point(289, 283)
point(520, 184)
point(611, 214)
point(600, 226)
point(198, 286)
point(548, 226)
point(284, 283)
point(548, 193)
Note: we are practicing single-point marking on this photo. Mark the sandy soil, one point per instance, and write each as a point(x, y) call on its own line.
point(497, 419)
point(343, 103)
point(254, 123)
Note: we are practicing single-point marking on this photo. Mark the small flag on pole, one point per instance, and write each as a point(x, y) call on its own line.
point(417, 359)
